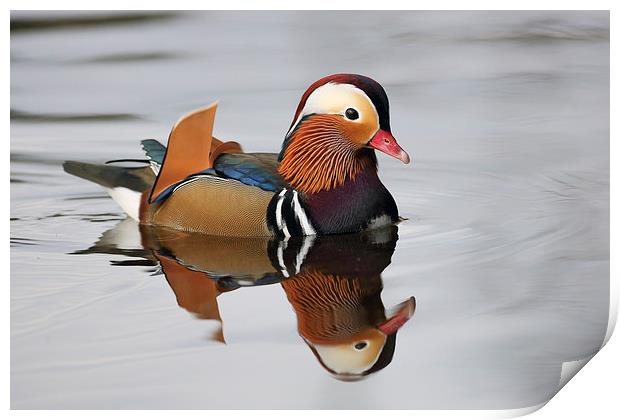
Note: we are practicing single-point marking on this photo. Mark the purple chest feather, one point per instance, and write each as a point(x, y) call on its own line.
point(352, 206)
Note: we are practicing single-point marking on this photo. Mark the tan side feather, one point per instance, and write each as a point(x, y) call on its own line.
point(213, 206)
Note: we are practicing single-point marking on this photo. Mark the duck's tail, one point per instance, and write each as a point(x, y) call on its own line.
point(191, 149)
point(125, 185)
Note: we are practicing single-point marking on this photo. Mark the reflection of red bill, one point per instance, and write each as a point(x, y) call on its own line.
point(402, 313)
point(384, 141)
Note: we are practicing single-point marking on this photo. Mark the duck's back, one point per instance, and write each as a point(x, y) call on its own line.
point(229, 199)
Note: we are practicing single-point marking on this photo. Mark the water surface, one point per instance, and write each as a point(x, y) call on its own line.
point(504, 254)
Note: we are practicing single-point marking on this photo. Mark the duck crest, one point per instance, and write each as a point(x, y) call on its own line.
point(374, 90)
point(317, 156)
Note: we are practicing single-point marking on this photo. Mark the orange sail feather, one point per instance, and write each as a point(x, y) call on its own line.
point(191, 148)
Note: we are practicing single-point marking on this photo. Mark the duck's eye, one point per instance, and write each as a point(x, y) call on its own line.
point(361, 345)
point(351, 114)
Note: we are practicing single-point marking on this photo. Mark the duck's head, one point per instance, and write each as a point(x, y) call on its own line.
point(339, 122)
point(342, 319)
point(366, 352)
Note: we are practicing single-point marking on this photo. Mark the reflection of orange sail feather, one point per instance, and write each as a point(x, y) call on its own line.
point(194, 291)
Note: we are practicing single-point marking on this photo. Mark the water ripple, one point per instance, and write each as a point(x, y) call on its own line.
point(54, 22)
point(17, 115)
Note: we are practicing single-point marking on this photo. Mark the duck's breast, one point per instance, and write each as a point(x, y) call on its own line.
point(356, 205)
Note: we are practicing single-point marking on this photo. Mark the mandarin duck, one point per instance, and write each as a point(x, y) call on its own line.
point(333, 284)
point(323, 181)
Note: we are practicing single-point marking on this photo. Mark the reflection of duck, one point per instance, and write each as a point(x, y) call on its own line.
point(323, 181)
point(333, 284)
point(342, 319)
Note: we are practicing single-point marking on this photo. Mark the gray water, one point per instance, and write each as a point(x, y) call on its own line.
point(505, 247)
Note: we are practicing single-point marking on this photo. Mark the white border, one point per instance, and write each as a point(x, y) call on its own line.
point(313, 5)
point(593, 393)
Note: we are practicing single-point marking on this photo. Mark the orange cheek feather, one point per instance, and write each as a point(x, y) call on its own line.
point(321, 154)
point(358, 132)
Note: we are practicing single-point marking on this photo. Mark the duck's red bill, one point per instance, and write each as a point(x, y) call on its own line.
point(400, 315)
point(384, 141)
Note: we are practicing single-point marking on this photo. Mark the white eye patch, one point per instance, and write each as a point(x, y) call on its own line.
point(336, 98)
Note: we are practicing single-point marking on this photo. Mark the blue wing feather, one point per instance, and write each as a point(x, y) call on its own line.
point(256, 169)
